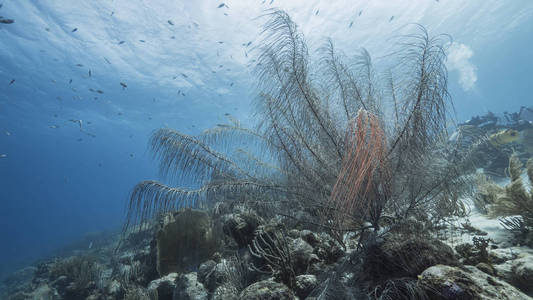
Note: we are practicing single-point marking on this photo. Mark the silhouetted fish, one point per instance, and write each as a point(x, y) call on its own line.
point(79, 65)
point(360, 12)
point(222, 5)
point(121, 42)
point(7, 21)
point(90, 74)
point(3, 155)
point(317, 12)
point(75, 29)
point(12, 81)
point(351, 24)
point(70, 81)
point(80, 122)
point(107, 60)
point(185, 76)
point(170, 22)
point(142, 41)
point(123, 85)
point(99, 91)
point(391, 18)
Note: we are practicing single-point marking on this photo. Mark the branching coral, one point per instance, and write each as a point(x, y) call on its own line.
point(323, 143)
point(514, 203)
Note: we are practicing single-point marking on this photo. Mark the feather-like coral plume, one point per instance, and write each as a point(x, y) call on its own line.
point(364, 159)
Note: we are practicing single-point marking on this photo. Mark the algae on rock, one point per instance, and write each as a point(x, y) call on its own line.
point(184, 241)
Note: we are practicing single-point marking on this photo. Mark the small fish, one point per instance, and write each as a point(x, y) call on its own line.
point(1, 5)
point(12, 81)
point(3, 155)
point(391, 18)
point(121, 42)
point(7, 21)
point(8, 133)
point(47, 29)
point(90, 89)
point(185, 76)
point(170, 22)
point(53, 81)
point(222, 5)
point(90, 73)
point(75, 29)
point(351, 24)
point(112, 13)
point(80, 122)
point(220, 42)
point(99, 91)
point(317, 12)
point(70, 81)
point(131, 154)
point(174, 77)
point(142, 41)
point(360, 12)
point(172, 37)
point(231, 84)
point(195, 24)
point(226, 114)
point(79, 65)
point(90, 245)
point(226, 14)
point(123, 85)
point(249, 43)
point(107, 60)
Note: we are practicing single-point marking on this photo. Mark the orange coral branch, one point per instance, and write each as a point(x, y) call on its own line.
point(363, 169)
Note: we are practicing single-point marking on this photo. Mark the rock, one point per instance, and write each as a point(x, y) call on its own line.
point(484, 267)
point(164, 286)
point(398, 256)
point(445, 282)
point(205, 269)
point(522, 270)
point(504, 271)
point(266, 290)
point(225, 292)
point(189, 288)
point(327, 249)
point(241, 227)
point(184, 241)
point(304, 285)
point(310, 237)
point(302, 255)
point(501, 255)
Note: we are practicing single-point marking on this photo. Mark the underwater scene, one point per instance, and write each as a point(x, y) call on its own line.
point(266, 149)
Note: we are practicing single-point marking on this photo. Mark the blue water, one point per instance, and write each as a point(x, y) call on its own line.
point(59, 181)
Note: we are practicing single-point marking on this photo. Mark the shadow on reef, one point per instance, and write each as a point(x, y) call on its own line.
point(329, 197)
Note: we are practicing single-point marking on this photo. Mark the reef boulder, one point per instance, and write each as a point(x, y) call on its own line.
point(446, 282)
